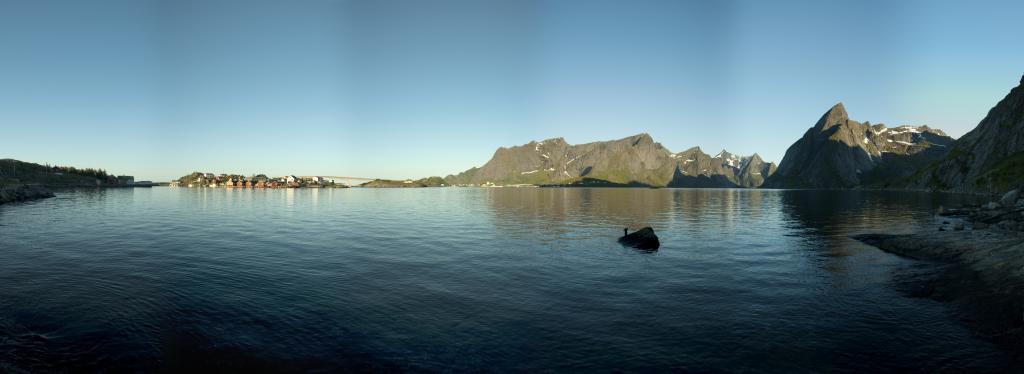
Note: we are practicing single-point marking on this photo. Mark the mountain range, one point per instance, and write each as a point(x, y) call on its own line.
point(636, 160)
point(837, 152)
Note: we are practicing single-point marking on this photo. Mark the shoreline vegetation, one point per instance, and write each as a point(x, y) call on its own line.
point(24, 181)
point(14, 172)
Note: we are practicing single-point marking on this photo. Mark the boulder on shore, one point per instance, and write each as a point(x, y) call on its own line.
point(1009, 198)
point(644, 239)
point(23, 193)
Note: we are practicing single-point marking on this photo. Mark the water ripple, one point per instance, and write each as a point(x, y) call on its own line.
point(467, 279)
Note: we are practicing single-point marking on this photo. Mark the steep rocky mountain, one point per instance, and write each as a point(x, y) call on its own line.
point(697, 169)
point(754, 171)
point(635, 160)
point(989, 158)
point(842, 153)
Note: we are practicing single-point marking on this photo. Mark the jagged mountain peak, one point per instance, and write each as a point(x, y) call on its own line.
point(692, 150)
point(728, 159)
point(724, 154)
point(641, 138)
point(838, 108)
point(834, 116)
point(549, 140)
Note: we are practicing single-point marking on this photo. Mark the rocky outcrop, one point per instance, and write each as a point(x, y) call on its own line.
point(842, 153)
point(981, 273)
point(1006, 214)
point(980, 250)
point(23, 193)
point(634, 161)
point(989, 158)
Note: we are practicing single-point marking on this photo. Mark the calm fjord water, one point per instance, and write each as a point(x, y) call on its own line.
point(460, 279)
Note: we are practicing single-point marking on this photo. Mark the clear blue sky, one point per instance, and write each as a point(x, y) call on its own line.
point(385, 88)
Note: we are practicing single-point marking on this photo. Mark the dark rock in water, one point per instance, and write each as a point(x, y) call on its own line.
point(642, 239)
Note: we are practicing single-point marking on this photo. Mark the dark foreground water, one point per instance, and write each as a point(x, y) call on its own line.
point(466, 279)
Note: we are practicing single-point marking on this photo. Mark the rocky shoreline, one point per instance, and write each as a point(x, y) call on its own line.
point(12, 194)
point(981, 249)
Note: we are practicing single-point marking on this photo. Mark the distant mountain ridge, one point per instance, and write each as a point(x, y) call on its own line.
point(634, 160)
point(838, 152)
